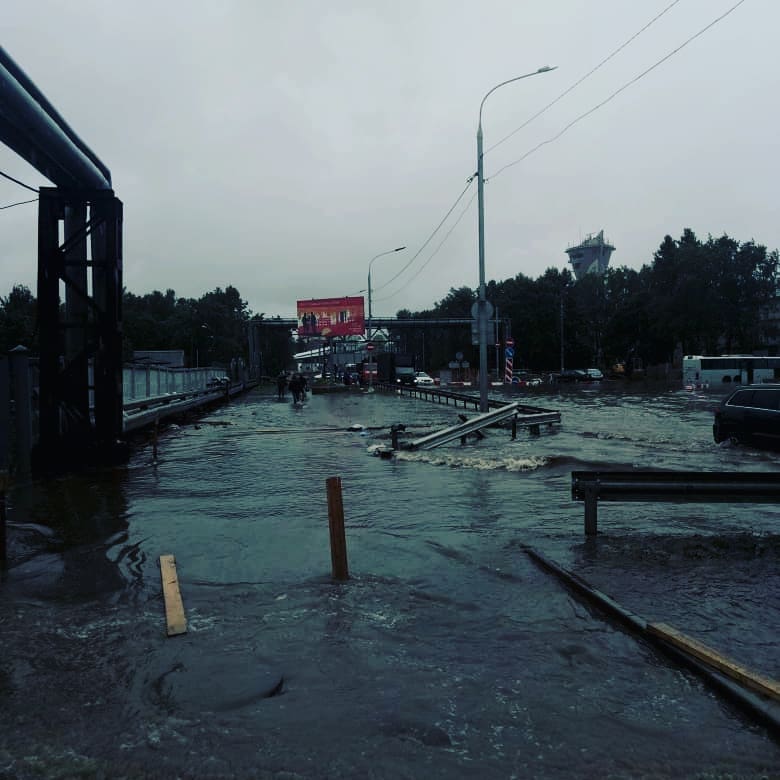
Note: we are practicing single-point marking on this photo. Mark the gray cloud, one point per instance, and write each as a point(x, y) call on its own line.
point(278, 147)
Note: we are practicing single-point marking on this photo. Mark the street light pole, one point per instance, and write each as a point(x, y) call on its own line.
point(370, 263)
point(368, 331)
point(483, 313)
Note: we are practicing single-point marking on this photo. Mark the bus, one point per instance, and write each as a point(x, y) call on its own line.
point(716, 371)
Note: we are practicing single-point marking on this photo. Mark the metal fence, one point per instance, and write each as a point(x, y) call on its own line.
point(19, 398)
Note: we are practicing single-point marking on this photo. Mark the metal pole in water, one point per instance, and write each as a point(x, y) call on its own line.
point(338, 539)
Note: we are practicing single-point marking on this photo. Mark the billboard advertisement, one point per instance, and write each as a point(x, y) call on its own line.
point(331, 317)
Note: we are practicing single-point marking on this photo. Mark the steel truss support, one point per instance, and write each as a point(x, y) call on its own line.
point(80, 256)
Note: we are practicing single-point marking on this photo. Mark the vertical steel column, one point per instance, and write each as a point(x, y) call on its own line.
point(76, 420)
point(106, 217)
point(49, 214)
point(70, 430)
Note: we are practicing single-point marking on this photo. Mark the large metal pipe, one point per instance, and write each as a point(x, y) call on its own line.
point(32, 127)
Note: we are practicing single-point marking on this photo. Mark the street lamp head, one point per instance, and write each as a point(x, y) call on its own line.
point(546, 68)
point(400, 248)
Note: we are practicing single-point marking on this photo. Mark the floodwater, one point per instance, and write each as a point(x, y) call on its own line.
point(447, 654)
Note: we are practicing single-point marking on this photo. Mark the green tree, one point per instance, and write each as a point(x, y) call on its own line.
point(18, 320)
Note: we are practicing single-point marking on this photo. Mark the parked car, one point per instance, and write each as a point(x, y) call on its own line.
point(594, 374)
point(750, 414)
point(421, 378)
point(573, 375)
point(524, 378)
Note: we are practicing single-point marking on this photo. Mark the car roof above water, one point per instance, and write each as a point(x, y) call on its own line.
point(773, 392)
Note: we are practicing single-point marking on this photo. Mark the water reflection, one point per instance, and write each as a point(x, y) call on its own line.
point(448, 653)
point(68, 535)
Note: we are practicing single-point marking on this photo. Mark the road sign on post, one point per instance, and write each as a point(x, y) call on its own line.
point(509, 357)
point(369, 346)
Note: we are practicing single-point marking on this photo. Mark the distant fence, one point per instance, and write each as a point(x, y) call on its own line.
point(19, 398)
point(139, 381)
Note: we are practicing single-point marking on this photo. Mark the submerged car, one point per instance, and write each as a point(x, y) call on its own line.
point(421, 378)
point(750, 414)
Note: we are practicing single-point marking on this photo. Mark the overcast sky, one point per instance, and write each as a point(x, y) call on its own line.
point(278, 147)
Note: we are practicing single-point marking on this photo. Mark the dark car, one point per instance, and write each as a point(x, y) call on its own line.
point(750, 414)
point(573, 375)
point(404, 375)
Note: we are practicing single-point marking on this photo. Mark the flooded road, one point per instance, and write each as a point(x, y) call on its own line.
point(448, 653)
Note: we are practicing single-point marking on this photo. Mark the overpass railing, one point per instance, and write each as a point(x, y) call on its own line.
point(19, 399)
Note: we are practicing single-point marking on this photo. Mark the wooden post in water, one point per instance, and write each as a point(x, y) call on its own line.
point(338, 539)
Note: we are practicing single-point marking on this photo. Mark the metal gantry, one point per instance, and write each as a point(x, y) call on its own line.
point(80, 392)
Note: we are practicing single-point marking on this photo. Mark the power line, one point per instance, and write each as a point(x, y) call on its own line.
point(554, 138)
point(430, 238)
point(19, 203)
point(621, 89)
point(587, 75)
point(433, 254)
point(20, 183)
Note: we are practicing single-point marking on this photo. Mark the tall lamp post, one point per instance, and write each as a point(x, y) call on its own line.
point(370, 263)
point(368, 330)
point(483, 312)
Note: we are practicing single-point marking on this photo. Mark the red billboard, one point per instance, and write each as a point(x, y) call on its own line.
point(331, 317)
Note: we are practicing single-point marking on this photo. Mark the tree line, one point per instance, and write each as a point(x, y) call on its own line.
point(211, 330)
point(697, 297)
point(703, 297)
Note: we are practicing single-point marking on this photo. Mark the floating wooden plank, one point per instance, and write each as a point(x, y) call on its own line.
point(174, 609)
point(746, 677)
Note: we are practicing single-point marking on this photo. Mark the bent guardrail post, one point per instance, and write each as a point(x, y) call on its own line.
point(591, 509)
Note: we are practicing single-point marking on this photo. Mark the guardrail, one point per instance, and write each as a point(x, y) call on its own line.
point(459, 431)
point(139, 414)
point(428, 393)
point(747, 487)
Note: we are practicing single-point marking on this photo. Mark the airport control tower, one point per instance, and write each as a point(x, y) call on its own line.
point(590, 256)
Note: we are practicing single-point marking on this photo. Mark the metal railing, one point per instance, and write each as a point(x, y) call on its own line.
point(673, 486)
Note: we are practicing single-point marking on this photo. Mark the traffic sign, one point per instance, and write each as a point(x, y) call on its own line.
point(488, 310)
point(509, 352)
point(510, 342)
point(369, 346)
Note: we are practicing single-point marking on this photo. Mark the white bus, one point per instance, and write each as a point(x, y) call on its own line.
point(716, 371)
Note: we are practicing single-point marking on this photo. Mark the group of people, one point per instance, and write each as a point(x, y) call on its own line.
point(297, 383)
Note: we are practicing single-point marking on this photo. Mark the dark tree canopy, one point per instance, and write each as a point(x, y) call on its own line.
point(712, 296)
point(699, 296)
